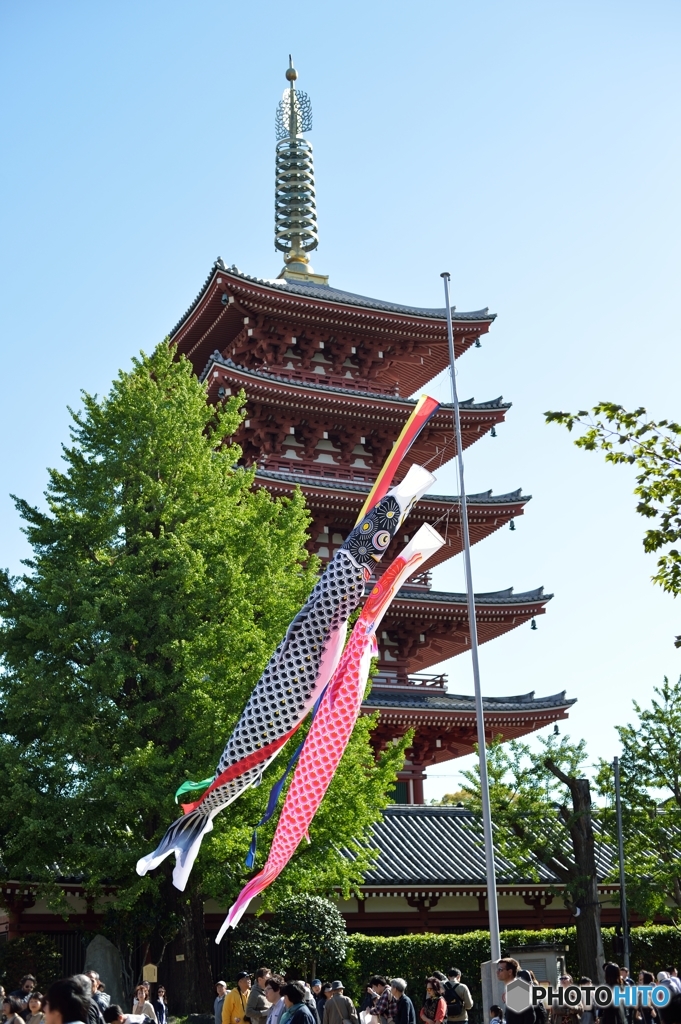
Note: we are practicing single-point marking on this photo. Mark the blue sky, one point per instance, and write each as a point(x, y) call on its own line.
point(530, 148)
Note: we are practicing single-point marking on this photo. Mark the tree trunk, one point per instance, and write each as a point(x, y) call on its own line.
point(588, 921)
point(584, 883)
point(185, 969)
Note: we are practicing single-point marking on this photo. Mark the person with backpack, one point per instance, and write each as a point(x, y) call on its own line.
point(457, 996)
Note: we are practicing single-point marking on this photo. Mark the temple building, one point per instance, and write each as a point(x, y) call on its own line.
point(329, 376)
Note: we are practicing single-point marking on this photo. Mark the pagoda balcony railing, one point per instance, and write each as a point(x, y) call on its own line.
point(429, 680)
point(334, 379)
point(424, 680)
point(318, 469)
point(422, 581)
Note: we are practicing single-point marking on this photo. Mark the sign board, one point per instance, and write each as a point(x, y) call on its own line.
point(150, 973)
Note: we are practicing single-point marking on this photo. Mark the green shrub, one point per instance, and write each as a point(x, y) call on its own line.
point(31, 954)
point(414, 957)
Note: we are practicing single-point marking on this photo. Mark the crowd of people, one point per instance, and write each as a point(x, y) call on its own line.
point(269, 998)
point(507, 969)
point(84, 995)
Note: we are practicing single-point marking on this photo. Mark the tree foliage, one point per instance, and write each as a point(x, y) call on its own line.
point(654, 447)
point(305, 935)
point(542, 812)
point(650, 780)
point(314, 934)
point(29, 954)
point(160, 581)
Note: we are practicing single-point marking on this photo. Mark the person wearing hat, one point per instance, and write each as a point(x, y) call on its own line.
point(339, 1009)
point(404, 1008)
point(221, 989)
point(234, 1006)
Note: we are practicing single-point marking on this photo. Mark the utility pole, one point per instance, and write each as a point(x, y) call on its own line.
point(492, 907)
point(620, 845)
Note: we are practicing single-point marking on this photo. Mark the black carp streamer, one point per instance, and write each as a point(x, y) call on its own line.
point(295, 675)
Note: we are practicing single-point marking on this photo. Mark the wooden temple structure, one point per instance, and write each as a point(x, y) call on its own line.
point(329, 378)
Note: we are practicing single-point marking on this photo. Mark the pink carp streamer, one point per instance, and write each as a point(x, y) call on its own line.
point(333, 722)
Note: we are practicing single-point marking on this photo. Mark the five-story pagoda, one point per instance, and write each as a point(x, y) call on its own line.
point(328, 376)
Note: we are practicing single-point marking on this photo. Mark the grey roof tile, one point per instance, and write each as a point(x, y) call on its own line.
point(328, 294)
point(494, 597)
point(427, 699)
point(424, 845)
point(483, 498)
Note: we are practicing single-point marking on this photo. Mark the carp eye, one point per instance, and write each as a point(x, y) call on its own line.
point(381, 540)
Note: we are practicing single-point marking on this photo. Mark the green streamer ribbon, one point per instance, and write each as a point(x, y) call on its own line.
point(190, 787)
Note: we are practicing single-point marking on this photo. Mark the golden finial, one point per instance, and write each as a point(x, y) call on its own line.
point(291, 73)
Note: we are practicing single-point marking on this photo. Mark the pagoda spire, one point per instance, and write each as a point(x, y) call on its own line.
point(295, 209)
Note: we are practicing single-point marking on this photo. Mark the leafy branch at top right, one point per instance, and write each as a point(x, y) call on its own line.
point(654, 448)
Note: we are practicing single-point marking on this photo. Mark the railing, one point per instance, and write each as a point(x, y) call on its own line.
point(436, 682)
point(422, 680)
point(346, 474)
point(334, 380)
point(422, 581)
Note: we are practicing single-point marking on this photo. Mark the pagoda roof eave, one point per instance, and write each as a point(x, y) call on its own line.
point(497, 597)
point(291, 384)
point(424, 699)
point(325, 295)
point(445, 616)
point(361, 490)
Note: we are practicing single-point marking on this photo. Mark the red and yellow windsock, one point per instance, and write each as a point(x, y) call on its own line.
point(424, 409)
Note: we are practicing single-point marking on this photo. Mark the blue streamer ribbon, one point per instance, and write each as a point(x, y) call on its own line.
point(275, 792)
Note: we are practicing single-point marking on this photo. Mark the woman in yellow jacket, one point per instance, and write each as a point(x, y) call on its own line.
point(234, 1006)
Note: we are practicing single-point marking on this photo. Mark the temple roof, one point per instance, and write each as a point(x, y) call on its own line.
point(441, 618)
point(494, 597)
point(483, 498)
point(325, 293)
point(408, 696)
point(351, 389)
point(422, 845)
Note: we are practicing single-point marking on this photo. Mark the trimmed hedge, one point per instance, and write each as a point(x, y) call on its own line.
point(414, 957)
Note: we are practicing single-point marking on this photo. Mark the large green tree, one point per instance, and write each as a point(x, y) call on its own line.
point(543, 815)
point(650, 772)
point(159, 583)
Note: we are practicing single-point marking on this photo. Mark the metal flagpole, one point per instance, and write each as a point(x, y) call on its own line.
point(492, 907)
point(620, 845)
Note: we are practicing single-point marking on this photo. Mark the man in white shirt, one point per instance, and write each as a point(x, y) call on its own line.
point(273, 987)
